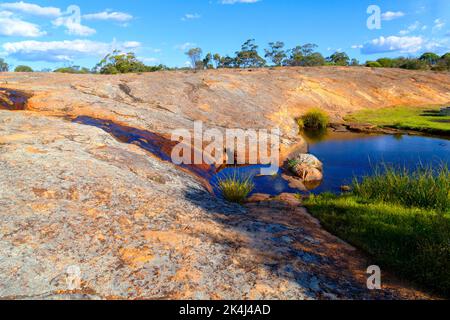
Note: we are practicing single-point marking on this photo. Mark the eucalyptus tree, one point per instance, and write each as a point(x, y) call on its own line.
point(195, 54)
point(276, 53)
point(249, 57)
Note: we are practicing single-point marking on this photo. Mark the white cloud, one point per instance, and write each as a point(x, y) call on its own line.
point(411, 28)
point(357, 46)
point(392, 44)
point(11, 26)
point(390, 15)
point(131, 44)
point(108, 15)
point(238, 1)
point(191, 16)
point(72, 21)
point(61, 51)
point(73, 27)
point(437, 45)
point(438, 25)
point(32, 9)
point(185, 46)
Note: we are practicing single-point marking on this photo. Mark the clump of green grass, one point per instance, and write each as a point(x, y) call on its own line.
point(425, 120)
point(425, 187)
point(292, 163)
point(314, 119)
point(236, 188)
point(401, 218)
point(301, 124)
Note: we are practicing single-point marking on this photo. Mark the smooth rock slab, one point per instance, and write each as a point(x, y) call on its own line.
point(136, 227)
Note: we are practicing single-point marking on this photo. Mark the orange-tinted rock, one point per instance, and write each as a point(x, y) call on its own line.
point(294, 182)
point(307, 173)
point(264, 98)
point(290, 198)
point(307, 167)
point(72, 197)
point(258, 197)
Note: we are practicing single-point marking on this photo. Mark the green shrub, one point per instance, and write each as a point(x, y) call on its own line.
point(23, 69)
point(300, 123)
point(400, 217)
point(292, 163)
point(72, 70)
point(386, 62)
point(236, 188)
point(426, 187)
point(314, 119)
point(414, 64)
point(413, 242)
point(373, 64)
point(118, 62)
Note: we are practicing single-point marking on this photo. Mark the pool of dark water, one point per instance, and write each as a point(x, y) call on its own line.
point(349, 155)
point(345, 156)
point(273, 185)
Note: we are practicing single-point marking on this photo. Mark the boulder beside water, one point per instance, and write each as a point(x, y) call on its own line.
point(307, 167)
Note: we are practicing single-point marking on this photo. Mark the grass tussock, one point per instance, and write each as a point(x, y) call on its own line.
point(236, 188)
point(314, 119)
point(401, 218)
point(426, 187)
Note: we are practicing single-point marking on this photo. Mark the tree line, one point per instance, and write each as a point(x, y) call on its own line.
point(275, 55)
point(113, 63)
point(249, 57)
point(306, 55)
point(427, 61)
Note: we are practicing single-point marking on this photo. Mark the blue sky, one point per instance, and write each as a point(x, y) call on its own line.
point(49, 34)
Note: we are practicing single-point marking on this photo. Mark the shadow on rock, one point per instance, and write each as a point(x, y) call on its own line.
point(290, 246)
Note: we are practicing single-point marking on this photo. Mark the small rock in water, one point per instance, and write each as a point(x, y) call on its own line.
point(309, 160)
point(308, 174)
point(307, 167)
point(346, 188)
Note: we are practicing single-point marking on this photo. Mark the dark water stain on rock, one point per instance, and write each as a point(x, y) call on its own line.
point(161, 147)
point(13, 100)
point(157, 145)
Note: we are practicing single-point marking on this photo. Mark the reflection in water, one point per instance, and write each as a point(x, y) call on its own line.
point(13, 100)
point(344, 155)
point(355, 155)
point(273, 185)
point(348, 155)
point(315, 135)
